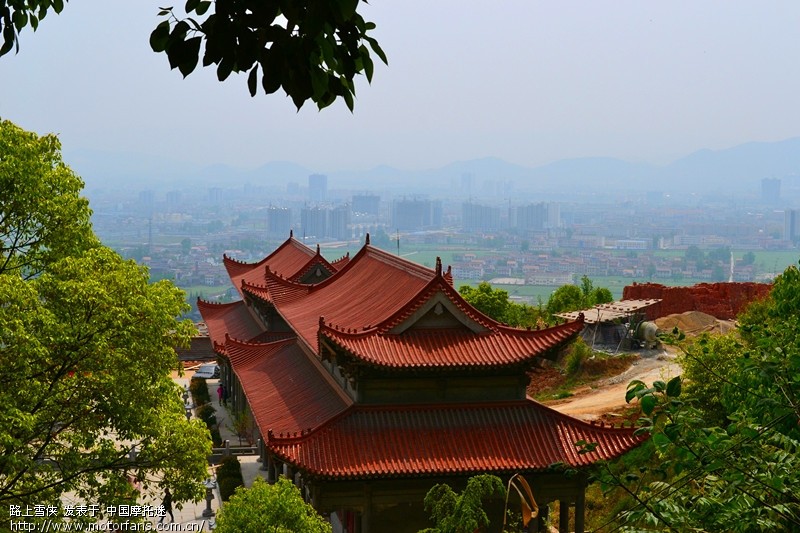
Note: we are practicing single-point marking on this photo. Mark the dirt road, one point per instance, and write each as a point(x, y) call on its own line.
point(609, 395)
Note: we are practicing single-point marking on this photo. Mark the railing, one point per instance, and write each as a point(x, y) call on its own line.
point(236, 451)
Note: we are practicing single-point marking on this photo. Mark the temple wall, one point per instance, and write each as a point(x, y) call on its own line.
point(721, 300)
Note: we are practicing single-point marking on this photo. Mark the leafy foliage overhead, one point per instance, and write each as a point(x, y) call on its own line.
point(313, 49)
point(42, 215)
point(87, 345)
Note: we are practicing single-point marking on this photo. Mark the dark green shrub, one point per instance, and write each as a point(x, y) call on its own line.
point(207, 414)
point(230, 467)
point(229, 476)
point(199, 389)
point(227, 487)
point(216, 438)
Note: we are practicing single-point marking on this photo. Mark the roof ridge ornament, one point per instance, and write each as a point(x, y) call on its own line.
point(438, 266)
point(367, 239)
point(318, 249)
point(291, 233)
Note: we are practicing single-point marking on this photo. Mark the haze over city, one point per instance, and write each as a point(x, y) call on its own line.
point(529, 83)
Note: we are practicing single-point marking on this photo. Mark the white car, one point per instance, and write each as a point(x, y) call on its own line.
point(207, 371)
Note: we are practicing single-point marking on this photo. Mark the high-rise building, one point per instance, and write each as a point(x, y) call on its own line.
point(530, 217)
point(315, 222)
point(339, 223)
point(771, 190)
point(317, 188)
point(366, 204)
point(791, 225)
point(147, 198)
point(476, 217)
point(279, 221)
point(416, 214)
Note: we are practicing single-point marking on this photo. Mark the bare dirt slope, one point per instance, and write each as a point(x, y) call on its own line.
point(607, 397)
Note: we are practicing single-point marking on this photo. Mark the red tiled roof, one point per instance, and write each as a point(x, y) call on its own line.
point(373, 286)
point(340, 263)
point(316, 261)
point(232, 319)
point(200, 348)
point(287, 259)
point(395, 441)
point(284, 389)
point(453, 347)
point(495, 345)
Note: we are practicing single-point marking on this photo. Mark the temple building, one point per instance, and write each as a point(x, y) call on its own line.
point(370, 379)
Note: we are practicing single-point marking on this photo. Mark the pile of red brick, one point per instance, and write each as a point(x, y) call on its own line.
point(721, 300)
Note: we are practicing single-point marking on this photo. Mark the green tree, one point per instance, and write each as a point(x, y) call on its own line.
point(565, 298)
point(313, 49)
point(264, 507)
point(601, 295)
point(489, 301)
point(42, 216)
point(748, 259)
point(496, 304)
point(462, 513)
point(733, 467)
point(718, 273)
point(87, 346)
point(693, 253)
point(721, 254)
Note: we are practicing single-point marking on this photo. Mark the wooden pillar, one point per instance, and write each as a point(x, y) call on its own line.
point(271, 469)
point(544, 514)
point(533, 525)
point(563, 516)
point(580, 509)
point(366, 515)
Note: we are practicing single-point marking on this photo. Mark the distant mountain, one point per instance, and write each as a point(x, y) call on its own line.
point(279, 172)
point(591, 173)
point(735, 169)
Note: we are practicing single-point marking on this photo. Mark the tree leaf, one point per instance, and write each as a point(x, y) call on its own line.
point(202, 7)
point(252, 80)
point(674, 387)
point(191, 55)
point(649, 403)
point(159, 37)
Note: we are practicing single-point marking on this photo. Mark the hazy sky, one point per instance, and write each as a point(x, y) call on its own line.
point(527, 81)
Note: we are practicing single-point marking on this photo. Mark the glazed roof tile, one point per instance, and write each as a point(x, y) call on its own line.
point(376, 441)
point(373, 286)
point(341, 262)
point(315, 261)
point(287, 259)
point(285, 391)
point(451, 347)
point(232, 319)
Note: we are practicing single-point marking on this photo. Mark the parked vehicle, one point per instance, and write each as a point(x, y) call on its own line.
point(207, 371)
